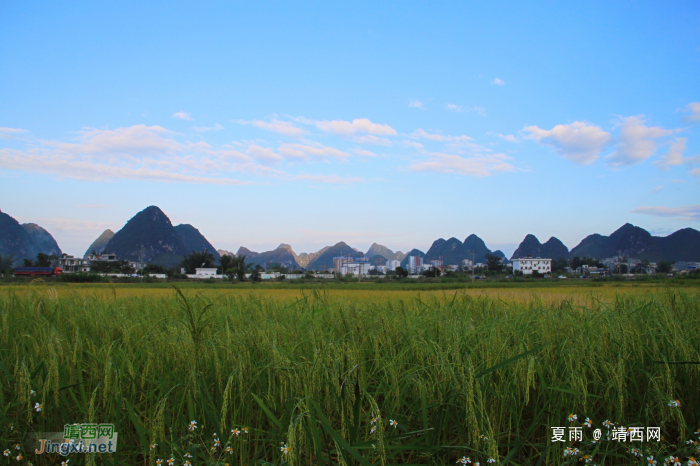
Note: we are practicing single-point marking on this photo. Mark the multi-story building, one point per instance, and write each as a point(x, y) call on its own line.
point(529, 264)
point(467, 264)
point(71, 264)
point(415, 264)
point(391, 265)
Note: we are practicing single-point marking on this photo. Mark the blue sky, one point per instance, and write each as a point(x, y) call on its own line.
point(316, 122)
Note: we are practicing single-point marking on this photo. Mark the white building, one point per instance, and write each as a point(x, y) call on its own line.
point(205, 273)
point(467, 264)
point(71, 264)
point(528, 264)
point(415, 264)
point(391, 265)
point(354, 268)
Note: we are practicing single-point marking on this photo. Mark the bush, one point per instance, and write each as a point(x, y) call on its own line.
point(82, 278)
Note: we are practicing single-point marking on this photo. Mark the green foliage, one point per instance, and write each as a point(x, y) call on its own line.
point(154, 268)
point(82, 277)
point(7, 263)
point(196, 260)
point(493, 263)
point(119, 266)
point(400, 272)
point(313, 372)
point(577, 262)
point(255, 274)
point(44, 260)
point(227, 264)
point(434, 272)
point(663, 266)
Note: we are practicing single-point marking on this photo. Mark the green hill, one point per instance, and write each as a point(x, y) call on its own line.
point(99, 244)
point(193, 240)
point(379, 250)
point(325, 260)
point(24, 241)
point(531, 246)
point(148, 237)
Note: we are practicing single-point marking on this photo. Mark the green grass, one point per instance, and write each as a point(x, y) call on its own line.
point(312, 372)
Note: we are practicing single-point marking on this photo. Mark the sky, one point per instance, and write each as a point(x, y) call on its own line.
point(310, 123)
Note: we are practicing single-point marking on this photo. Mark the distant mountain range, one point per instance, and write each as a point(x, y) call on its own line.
point(453, 251)
point(627, 240)
point(150, 237)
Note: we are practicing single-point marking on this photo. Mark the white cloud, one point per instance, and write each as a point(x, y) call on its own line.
point(684, 213)
point(416, 104)
point(306, 151)
point(694, 109)
point(498, 82)
point(460, 108)
point(656, 189)
point(204, 129)
point(364, 153)
point(373, 140)
point(264, 154)
point(635, 144)
point(182, 116)
point(413, 144)
point(284, 128)
point(357, 126)
point(130, 141)
point(479, 165)
point(11, 133)
point(329, 179)
point(674, 156)
point(507, 137)
point(578, 141)
point(422, 134)
point(48, 162)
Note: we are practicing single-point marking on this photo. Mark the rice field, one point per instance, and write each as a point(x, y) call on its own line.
point(352, 376)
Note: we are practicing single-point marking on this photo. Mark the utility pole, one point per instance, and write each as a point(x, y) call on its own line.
point(473, 252)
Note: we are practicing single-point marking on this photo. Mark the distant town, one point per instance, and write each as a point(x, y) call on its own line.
point(150, 246)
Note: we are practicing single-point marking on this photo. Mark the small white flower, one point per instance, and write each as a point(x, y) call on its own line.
point(675, 403)
point(490, 460)
point(572, 417)
point(6, 452)
point(192, 426)
point(32, 393)
point(235, 432)
point(588, 422)
point(284, 449)
point(636, 452)
point(393, 423)
point(153, 446)
point(38, 407)
point(372, 430)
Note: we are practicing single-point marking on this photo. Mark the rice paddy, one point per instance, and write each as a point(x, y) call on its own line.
point(352, 376)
